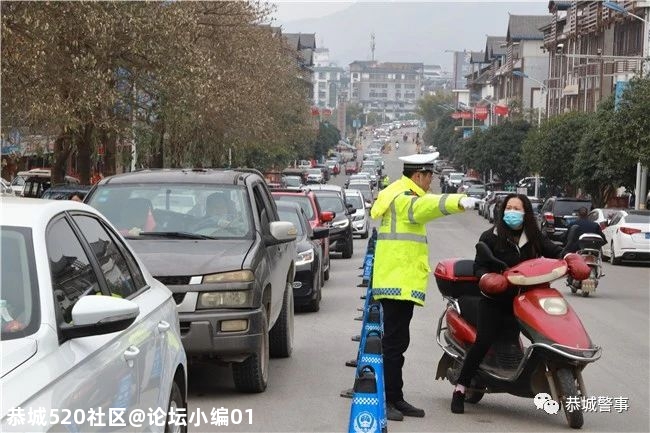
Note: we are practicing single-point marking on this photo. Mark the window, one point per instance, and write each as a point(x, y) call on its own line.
point(111, 261)
point(72, 274)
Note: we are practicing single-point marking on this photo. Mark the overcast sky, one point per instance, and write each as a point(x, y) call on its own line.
point(292, 10)
point(406, 31)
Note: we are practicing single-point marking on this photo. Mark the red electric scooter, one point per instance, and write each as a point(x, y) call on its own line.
point(559, 348)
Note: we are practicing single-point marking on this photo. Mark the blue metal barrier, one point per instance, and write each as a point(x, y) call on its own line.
point(364, 413)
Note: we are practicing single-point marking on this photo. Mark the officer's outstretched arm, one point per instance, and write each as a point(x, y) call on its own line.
point(431, 206)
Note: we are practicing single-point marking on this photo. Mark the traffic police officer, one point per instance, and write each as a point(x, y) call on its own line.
point(401, 265)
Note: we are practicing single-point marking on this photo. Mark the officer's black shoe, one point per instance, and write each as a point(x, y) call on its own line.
point(458, 402)
point(408, 409)
point(392, 413)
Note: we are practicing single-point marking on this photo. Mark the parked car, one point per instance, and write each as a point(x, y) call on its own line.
point(628, 237)
point(316, 216)
point(489, 203)
point(65, 191)
point(363, 177)
point(557, 214)
point(18, 183)
point(315, 175)
point(341, 226)
point(5, 187)
point(37, 181)
point(325, 170)
point(351, 167)
point(327, 187)
point(293, 182)
point(308, 282)
point(229, 259)
point(360, 217)
point(84, 324)
point(366, 190)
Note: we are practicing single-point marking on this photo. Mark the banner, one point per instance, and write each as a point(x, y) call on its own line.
point(501, 110)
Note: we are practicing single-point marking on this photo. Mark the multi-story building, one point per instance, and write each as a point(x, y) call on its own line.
point(303, 44)
point(328, 79)
point(591, 48)
point(390, 89)
point(524, 55)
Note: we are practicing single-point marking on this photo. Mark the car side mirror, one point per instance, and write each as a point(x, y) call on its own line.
point(368, 205)
point(327, 216)
point(321, 233)
point(98, 315)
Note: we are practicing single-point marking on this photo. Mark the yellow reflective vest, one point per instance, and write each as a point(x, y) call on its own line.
point(401, 265)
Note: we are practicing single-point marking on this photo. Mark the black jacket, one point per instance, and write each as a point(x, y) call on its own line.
point(584, 226)
point(512, 254)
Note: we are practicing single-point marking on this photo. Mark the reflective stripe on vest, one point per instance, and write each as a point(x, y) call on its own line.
point(411, 218)
point(441, 204)
point(393, 235)
point(416, 294)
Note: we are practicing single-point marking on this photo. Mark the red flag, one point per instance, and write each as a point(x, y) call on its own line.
point(481, 116)
point(501, 110)
point(480, 111)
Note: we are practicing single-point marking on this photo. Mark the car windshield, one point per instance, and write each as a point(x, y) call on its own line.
point(19, 296)
point(293, 181)
point(637, 219)
point(355, 201)
point(302, 200)
point(314, 171)
point(359, 186)
point(570, 207)
point(292, 217)
point(219, 211)
point(476, 188)
point(330, 202)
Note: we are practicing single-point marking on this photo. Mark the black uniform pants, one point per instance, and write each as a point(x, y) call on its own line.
point(494, 317)
point(397, 318)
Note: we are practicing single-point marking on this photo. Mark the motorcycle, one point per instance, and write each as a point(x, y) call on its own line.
point(559, 348)
point(590, 248)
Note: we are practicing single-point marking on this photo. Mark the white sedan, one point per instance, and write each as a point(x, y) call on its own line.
point(85, 329)
point(628, 237)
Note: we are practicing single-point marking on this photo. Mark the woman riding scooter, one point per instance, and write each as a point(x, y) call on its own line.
point(514, 238)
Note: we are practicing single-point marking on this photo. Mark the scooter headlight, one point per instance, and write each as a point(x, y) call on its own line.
point(554, 306)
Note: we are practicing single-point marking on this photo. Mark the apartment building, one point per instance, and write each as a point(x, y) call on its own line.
point(390, 88)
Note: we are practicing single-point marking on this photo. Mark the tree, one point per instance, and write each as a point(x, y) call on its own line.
point(549, 150)
point(633, 121)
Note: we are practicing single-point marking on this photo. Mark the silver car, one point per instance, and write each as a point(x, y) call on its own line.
point(360, 219)
point(86, 329)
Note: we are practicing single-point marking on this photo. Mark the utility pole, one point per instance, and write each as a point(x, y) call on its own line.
point(372, 46)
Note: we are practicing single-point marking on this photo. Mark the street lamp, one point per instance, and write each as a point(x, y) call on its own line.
point(539, 114)
point(641, 172)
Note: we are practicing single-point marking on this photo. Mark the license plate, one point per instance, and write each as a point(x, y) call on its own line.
point(647, 235)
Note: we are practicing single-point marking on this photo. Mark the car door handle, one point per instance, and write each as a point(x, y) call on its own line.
point(163, 326)
point(130, 354)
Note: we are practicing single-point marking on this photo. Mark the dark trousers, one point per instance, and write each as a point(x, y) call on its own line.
point(397, 318)
point(494, 318)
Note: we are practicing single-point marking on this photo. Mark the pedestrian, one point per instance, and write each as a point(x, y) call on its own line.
point(514, 238)
point(401, 264)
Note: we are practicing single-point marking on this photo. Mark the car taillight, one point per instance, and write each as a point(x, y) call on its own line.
point(548, 216)
point(629, 230)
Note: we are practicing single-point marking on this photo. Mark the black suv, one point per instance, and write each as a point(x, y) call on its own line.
point(557, 214)
point(341, 233)
point(215, 239)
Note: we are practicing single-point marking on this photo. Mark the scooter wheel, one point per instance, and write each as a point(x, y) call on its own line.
point(567, 386)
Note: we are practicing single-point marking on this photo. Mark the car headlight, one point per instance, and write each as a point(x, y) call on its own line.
point(243, 276)
point(305, 257)
point(554, 306)
point(341, 224)
point(239, 298)
point(357, 218)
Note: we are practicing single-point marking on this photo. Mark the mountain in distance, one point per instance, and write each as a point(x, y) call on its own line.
point(410, 32)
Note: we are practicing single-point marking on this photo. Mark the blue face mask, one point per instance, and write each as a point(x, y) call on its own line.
point(513, 218)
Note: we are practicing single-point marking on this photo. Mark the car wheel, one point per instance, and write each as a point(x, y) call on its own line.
point(326, 274)
point(281, 335)
point(175, 403)
point(252, 375)
point(349, 246)
point(615, 260)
